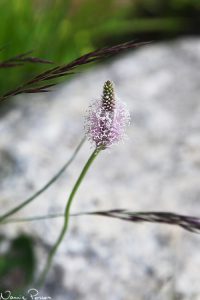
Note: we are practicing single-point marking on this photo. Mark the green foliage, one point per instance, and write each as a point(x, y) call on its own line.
point(17, 263)
point(61, 30)
point(56, 30)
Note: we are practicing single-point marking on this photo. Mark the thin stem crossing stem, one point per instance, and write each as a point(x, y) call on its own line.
point(44, 188)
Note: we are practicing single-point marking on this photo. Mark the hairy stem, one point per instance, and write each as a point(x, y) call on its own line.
point(66, 217)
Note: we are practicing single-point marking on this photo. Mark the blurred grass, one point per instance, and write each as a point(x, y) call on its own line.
point(57, 30)
point(61, 30)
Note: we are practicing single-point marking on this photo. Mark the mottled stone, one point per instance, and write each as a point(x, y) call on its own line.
point(158, 168)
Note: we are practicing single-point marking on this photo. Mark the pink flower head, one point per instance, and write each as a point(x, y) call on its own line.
point(107, 119)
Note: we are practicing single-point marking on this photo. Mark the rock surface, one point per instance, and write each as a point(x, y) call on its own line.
point(158, 168)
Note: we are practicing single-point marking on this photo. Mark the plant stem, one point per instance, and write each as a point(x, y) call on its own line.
point(45, 187)
point(66, 216)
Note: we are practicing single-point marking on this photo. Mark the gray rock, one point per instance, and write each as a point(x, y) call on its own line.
point(158, 168)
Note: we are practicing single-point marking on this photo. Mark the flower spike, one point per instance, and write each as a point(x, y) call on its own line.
point(108, 98)
point(107, 119)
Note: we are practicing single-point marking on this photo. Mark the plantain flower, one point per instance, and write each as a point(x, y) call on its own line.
point(107, 119)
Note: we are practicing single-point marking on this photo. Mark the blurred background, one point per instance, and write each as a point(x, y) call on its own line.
point(160, 162)
point(61, 30)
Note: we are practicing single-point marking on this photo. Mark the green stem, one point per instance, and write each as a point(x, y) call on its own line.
point(45, 187)
point(66, 216)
